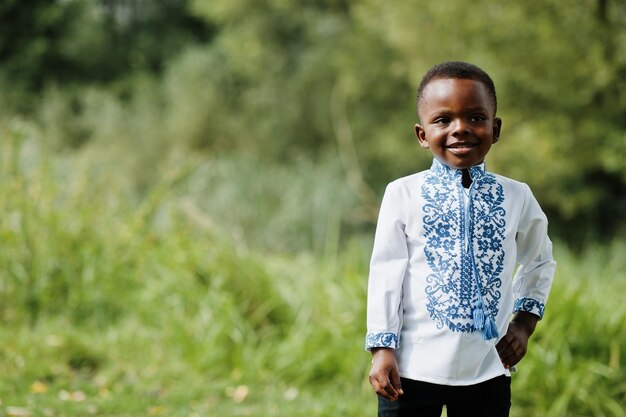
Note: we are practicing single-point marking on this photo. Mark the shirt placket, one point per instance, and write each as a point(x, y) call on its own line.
point(483, 321)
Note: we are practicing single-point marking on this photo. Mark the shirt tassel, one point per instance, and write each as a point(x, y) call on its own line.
point(484, 322)
point(490, 331)
point(479, 317)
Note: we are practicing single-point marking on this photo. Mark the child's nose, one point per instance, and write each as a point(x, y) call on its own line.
point(459, 127)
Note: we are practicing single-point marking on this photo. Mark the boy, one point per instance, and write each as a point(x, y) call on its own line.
point(441, 289)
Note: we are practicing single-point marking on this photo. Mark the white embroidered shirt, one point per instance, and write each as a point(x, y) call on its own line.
point(443, 281)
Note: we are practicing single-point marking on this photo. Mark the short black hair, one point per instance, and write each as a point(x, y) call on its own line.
point(461, 71)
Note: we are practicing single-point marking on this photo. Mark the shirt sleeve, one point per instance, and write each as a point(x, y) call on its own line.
point(534, 275)
point(388, 265)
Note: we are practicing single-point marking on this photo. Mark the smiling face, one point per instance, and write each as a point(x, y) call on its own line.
point(458, 121)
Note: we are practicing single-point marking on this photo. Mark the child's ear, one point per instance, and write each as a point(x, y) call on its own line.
point(497, 126)
point(421, 136)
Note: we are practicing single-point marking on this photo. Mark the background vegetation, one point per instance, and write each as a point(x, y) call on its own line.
point(189, 191)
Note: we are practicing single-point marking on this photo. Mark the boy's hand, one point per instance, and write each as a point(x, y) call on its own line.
point(384, 375)
point(512, 347)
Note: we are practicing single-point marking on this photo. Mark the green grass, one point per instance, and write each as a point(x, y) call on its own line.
point(122, 304)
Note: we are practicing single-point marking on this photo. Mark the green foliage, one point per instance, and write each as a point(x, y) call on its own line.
point(82, 43)
point(119, 306)
point(576, 359)
point(45, 275)
point(286, 81)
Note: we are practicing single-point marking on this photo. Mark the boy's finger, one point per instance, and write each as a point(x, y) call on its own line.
point(505, 345)
point(503, 349)
point(383, 387)
point(506, 351)
point(395, 380)
point(510, 358)
point(507, 355)
point(388, 387)
point(507, 360)
point(377, 388)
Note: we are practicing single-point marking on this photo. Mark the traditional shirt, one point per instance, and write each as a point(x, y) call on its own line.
point(443, 281)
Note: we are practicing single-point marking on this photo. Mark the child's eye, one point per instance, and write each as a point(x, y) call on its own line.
point(442, 121)
point(478, 118)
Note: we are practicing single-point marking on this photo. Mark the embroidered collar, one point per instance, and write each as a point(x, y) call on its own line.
point(450, 174)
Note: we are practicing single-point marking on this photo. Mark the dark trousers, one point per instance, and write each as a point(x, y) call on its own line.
point(421, 399)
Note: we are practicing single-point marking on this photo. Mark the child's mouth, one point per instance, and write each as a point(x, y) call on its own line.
point(461, 148)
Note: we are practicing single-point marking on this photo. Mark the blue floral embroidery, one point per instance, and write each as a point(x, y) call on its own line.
point(383, 339)
point(530, 305)
point(466, 259)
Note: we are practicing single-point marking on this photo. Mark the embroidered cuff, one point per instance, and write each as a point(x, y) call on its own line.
point(382, 339)
point(529, 305)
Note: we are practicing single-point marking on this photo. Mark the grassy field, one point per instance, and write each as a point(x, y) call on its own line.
point(207, 297)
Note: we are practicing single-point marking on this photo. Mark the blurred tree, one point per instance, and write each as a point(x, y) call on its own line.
point(282, 79)
point(289, 71)
point(30, 39)
point(80, 42)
